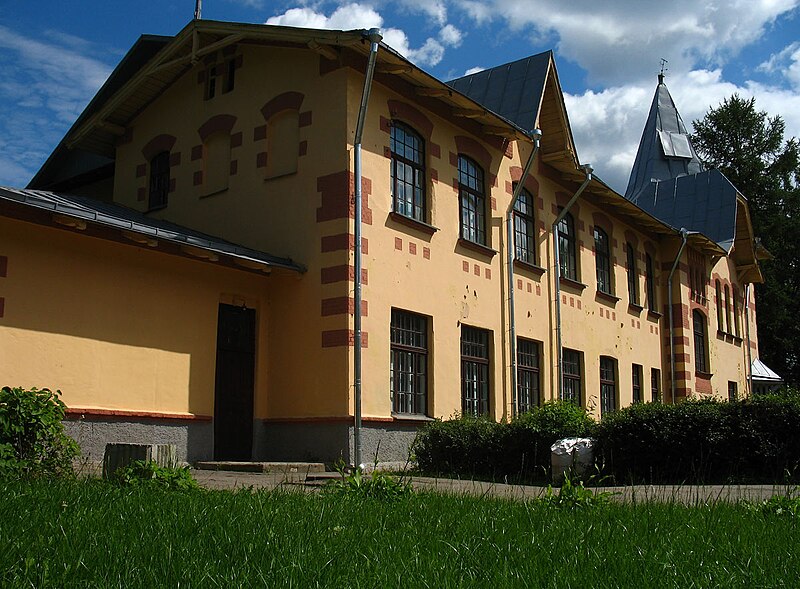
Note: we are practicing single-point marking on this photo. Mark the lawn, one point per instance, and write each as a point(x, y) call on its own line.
point(93, 534)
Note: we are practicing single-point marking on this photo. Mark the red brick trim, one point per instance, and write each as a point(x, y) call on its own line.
point(126, 138)
point(302, 148)
point(332, 419)
point(342, 306)
point(234, 167)
point(702, 384)
point(468, 146)
point(197, 153)
point(197, 178)
point(236, 139)
point(141, 193)
point(633, 239)
point(158, 144)
point(216, 124)
point(531, 183)
point(304, 119)
point(603, 222)
point(336, 338)
point(562, 200)
point(285, 101)
point(411, 116)
point(141, 170)
point(338, 200)
point(2, 307)
point(509, 150)
point(261, 159)
point(175, 159)
point(79, 413)
point(260, 133)
point(3, 266)
point(342, 273)
point(342, 241)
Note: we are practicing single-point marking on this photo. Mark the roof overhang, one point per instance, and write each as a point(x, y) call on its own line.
point(117, 223)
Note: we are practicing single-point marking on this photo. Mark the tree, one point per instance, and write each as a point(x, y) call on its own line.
point(748, 146)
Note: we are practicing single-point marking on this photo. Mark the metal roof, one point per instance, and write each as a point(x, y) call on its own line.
point(512, 90)
point(118, 217)
point(704, 202)
point(762, 372)
point(665, 150)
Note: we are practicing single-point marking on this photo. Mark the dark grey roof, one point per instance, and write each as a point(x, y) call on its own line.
point(512, 90)
point(123, 218)
point(664, 150)
point(704, 202)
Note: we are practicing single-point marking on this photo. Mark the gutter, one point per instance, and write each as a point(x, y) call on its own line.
point(536, 135)
point(374, 36)
point(587, 168)
point(684, 237)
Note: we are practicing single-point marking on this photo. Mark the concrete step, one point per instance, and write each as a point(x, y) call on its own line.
point(263, 467)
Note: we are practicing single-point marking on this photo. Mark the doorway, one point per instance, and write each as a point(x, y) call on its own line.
point(235, 380)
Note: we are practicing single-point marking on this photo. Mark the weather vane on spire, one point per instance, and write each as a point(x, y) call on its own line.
point(664, 68)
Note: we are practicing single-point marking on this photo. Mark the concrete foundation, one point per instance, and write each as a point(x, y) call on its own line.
point(194, 440)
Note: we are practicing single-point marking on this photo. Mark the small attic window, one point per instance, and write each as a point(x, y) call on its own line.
point(675, 144)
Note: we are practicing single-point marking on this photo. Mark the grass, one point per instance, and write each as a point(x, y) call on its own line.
point(92, 534)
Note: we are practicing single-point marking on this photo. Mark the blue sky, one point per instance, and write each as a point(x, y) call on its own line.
point(55, 54)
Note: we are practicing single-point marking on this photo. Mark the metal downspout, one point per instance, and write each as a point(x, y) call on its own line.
point(747, 332)
point(374, 36)
point(684, 236)
point(536, 135)
point(587, 168)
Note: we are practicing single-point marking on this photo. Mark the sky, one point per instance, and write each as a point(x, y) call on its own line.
point(54, 55)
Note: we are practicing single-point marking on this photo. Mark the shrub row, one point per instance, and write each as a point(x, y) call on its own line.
point(704, 441)
point(481, 448)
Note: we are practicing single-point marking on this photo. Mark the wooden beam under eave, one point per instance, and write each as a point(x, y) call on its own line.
point(324, 50)
point(140, 239)
point(393, 68)
point(200, 253)
point(499, 131)
point(253, 265)
point(112, 128)
point(470, 113)
point(67, 221)
point(436, 92)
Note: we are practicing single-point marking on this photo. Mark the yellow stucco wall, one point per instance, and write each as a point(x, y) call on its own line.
point(115, 326)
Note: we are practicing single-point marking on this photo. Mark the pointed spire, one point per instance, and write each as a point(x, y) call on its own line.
point(665, 150)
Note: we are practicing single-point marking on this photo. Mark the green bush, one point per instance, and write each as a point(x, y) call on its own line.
point(707, 441)
point(517, 450)
point(148, 472)
point(32, 437)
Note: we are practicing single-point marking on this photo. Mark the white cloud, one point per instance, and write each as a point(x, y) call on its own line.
point(786, 63)
point(433, 9)
point(360, 16)
point(474, 70)
point(46, 85)
point(450, 36)
point(624, 40)
point(607, 125)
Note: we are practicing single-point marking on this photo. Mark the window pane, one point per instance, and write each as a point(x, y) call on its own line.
point(474, 371)
point(408, 172)
point(472, 201)
point(602, 260)
point(528, 375)
point(408, 364)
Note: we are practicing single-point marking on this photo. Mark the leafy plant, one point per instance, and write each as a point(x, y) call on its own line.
point(574, 496)
point(148, 472)
point(32, 437)
point(377, 485)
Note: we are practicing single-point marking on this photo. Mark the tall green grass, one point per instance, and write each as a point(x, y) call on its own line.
point(91, 534)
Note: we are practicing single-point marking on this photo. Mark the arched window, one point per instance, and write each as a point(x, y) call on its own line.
point(650, 282)
point(471, 200)
point(728, 321)
point(408, 172)
point(633, 278)
point(736, 328)
point(602, 258)
point(700, 341)
point(159, 181)
point(720, 314)
point(566, 248)
point(216, 162)
point(608, 385)
point(283, 140)
point(524, 226)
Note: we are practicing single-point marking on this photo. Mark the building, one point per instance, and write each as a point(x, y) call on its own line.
point(183, 266)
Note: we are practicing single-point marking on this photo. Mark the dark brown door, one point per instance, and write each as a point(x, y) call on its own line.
point(233, 393)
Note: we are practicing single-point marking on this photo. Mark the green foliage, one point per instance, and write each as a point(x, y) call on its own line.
point(703, 441)
point(574, 496)
point(780, 505)
point(32, 437)
point(149, 473)
point(480, 448)
point(748, 146)
point(378, 485)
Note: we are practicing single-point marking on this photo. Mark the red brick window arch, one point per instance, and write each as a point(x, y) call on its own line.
point(282, 115)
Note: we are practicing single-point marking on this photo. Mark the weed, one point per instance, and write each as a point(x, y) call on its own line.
point(377, 485)
point(144, 472)
point(574, 496)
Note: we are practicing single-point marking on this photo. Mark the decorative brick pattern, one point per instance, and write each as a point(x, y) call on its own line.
point(2, 307)
point(197, 178)
point(304, 119)
point(196, 153)
point(343, 337)
point(234, 167)
point(141, 170)
point(465, 266)
point(342, 241)
point(338, 200)
point(3, 266)
point(398, 244)
point(470, 147)
point(261, 159)
point(216, 124)
point(158, 144)
point(236, 140)
point(412, 248)
point(342, 273)
point(260, 133)
point(342, 306)
point(302, 148)
point(412, 116)
point(141, 194)
point(175, 159)
point(285, 101)
point(426, 253)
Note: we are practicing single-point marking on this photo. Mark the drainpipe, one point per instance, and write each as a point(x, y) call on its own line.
point(684, 236)
point(374, 36)
point(536, 135)
point(747, 334)
point(587, 169)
